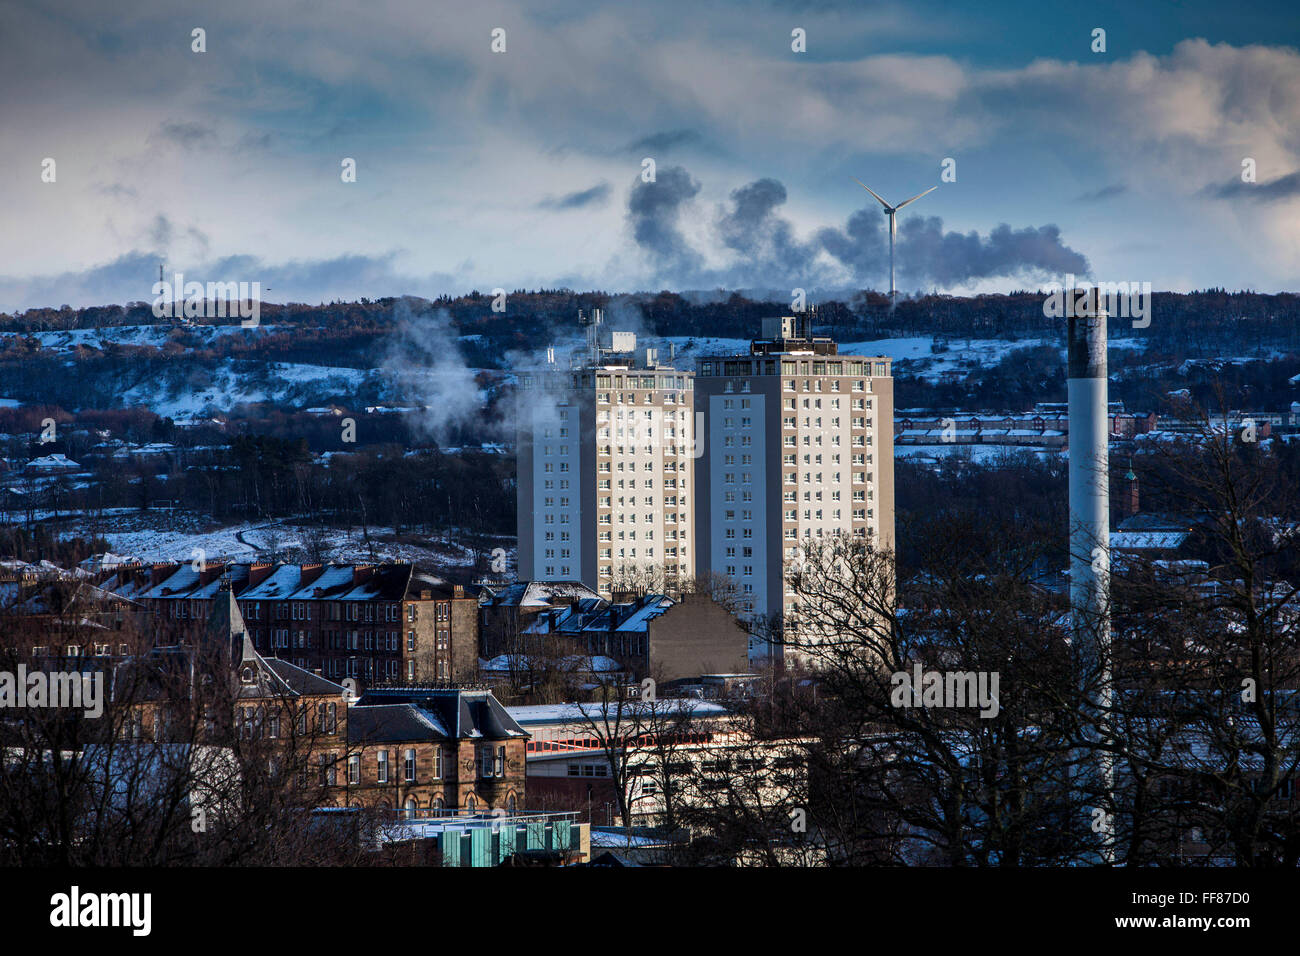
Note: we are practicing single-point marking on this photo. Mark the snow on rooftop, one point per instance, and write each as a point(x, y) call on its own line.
point(282, 582)
point(1147, 540)
point(184, 578)
point(107, 561)
point(332, 577)
point(653, 607)
point(576, 713)
point(53, 461)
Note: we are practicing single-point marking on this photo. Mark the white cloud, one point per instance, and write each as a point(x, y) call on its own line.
point(457, 146)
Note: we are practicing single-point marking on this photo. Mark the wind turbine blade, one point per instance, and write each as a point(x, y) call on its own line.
point(916, 197)
point(872, 191)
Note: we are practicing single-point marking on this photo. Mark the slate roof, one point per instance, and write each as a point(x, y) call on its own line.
point(284, 582)
point(302, 681)
point(578, 713)
point(598, 616)
point(381, 723)
point(540, 594)
point(503, 663)
point(463, 713)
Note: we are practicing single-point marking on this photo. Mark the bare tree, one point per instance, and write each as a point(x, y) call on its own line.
point(183, 767)
point(1210, 670)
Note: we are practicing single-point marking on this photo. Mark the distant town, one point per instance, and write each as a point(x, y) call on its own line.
point(826, 452)
point(692, 640)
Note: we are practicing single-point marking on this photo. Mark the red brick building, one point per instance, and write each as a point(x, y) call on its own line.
point(373, 623)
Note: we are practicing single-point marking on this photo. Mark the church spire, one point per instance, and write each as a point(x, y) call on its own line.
point(226, 626)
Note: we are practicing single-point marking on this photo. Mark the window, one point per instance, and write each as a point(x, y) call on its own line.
point(492, 762)
point(410, 765)
point(437, 763)
point(381, 771)
point(354, 769)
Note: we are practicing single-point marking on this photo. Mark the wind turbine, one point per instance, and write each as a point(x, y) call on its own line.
point(893, 227)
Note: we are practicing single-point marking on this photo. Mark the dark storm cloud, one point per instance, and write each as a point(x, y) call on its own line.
point(653, 210)
point(1284, 187)
point(929, 254)
point(595, 196)
point(862, 245)
point(767, 253)
point(765, 241)
point(1105, 192)
point(130, 278)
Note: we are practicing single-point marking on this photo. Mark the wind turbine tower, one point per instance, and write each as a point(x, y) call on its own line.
point(893, 228)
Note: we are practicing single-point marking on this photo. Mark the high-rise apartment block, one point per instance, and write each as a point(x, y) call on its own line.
point(798, 444)
point(605, 467)
point(633, 472)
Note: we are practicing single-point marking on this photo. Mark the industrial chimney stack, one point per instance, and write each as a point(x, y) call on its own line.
point(1090, 532)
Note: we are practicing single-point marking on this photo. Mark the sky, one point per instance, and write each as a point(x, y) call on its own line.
point(478, 169)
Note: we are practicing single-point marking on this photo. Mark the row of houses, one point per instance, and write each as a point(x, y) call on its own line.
point(669, 638)
point(1047, 426)
point(383, 623)
point(374, 623)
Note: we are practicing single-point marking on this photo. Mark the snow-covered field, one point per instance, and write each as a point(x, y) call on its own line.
point(300, 385)
point(155, 335)
point(977, 454)
point(247, 542)
point(287, 383)
point(160, 536)
point(912, 355)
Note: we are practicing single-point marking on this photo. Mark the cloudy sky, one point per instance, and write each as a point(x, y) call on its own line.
point(478, 169)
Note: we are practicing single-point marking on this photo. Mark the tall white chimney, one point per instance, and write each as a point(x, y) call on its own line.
point(1090, 529)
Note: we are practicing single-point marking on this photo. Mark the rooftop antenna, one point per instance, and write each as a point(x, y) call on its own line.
point(593, 334)
point(893, 229)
